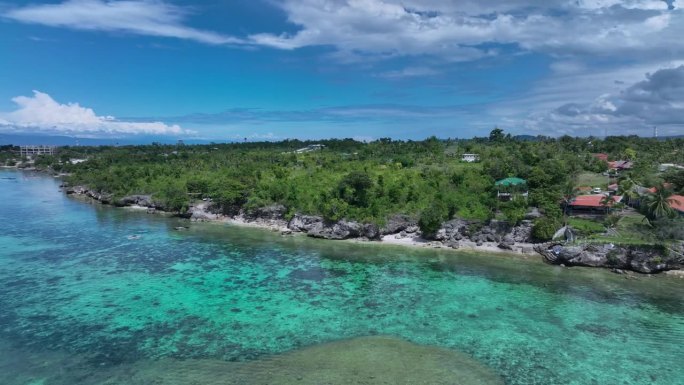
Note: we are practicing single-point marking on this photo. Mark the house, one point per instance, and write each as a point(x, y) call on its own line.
point(677, 203)
point(593, 202)
point(310, 148)
point(470, 158)
point(620, 165)
point(601, 156)
point(510, 188)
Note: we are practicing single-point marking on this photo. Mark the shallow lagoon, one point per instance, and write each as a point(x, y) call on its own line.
point(82, 302)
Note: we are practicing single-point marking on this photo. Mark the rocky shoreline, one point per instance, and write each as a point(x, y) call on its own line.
point(494, 236)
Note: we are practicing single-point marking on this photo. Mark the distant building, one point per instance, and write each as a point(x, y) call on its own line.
point(666, 166)
point(601, 156)
point(470, 158)
point(310, 148)
point(31, 151)
point(620, 165)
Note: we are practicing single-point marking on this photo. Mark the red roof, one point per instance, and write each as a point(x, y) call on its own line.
point(592, 200)
point(620, 164)
point(601, 156)
point(677, 202)
point(613, 187)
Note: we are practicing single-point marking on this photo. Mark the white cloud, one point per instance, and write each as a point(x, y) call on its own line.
point(655, 101)
point(456, 30)
point(146, 17)
point(453, 30)
point(409, 72)
point(41, 113)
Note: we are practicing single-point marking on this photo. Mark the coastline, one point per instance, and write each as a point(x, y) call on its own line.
point(274, 221)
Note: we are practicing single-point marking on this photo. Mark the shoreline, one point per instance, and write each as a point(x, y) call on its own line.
point(413, 240)
point(199, 213)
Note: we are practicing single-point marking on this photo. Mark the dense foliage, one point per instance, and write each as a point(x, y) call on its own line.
point(367, 181)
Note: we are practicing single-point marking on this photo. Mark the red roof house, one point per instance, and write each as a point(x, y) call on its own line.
point(592, 201)
point(601, 156)
point(620, 165)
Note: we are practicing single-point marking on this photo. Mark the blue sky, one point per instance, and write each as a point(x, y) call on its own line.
point(275, 69)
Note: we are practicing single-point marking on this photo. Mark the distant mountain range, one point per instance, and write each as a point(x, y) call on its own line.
point(28, 139)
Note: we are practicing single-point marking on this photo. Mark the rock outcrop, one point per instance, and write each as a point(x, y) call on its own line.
point(642, 259)
point(317, 227)
point(398, 223)
point(139, 200)
point(103, 197)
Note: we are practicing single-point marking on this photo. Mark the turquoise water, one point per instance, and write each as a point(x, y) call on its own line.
point(84, 298)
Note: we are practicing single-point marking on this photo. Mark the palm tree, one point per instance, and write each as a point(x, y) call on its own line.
point(607, 202)
point(658, 205)
point(626, 188)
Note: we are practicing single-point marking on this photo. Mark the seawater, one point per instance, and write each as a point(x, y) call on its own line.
point(98, 295)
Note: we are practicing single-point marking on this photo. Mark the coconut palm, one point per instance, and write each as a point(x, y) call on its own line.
point(627, 188)
point(658, 204)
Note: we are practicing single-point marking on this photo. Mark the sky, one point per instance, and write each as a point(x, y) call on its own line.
point(362, 69)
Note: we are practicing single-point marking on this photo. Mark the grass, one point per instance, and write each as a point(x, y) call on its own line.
point(593, 180)
point(631, 229)
point(586, 226)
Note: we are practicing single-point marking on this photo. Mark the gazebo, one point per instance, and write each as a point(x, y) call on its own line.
point(509, 188)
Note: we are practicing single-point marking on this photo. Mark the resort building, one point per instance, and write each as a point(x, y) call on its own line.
point(31, 151)
point(470, 158)
point(510, 188)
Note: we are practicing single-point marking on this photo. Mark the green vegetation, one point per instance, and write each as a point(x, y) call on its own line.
point(370, 181)
point(586, 227)
point(592, 179)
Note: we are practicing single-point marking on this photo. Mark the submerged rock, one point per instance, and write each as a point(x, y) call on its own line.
point(365, 361)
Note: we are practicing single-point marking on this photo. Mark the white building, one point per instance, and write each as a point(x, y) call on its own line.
point(470, 158)
point(309, 148)
point(31, 151)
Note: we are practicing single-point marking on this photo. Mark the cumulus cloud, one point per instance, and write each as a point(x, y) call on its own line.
point(40, 113)
point(656, 101)
point(146, 17)
point(459, 30)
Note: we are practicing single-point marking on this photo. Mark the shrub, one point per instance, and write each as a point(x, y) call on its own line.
point(431, 218)
point(544, 228)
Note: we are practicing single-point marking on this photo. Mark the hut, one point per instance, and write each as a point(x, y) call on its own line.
point(510, 188)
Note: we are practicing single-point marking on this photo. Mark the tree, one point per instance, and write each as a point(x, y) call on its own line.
point(496, 135)
point(353, 188)
point(431, 218)
point(544, 228)
point(657, 205)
